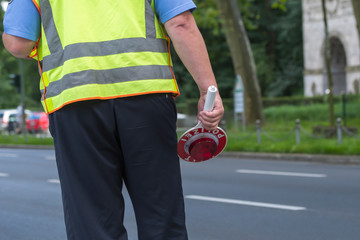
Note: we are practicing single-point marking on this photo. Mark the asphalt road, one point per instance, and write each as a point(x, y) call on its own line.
point(226, 199)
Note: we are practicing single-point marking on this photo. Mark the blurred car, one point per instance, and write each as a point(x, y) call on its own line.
point(4, 115)
point(9, 119)
point(1, 117)
point(37, 122)
point(13, 125)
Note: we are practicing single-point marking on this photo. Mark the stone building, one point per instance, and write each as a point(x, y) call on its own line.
point(344, 47)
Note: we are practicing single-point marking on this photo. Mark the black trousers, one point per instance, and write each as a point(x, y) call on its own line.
point(101, 144)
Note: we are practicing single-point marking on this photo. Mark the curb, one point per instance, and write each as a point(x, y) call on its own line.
point(315, 158)
point(26, 146)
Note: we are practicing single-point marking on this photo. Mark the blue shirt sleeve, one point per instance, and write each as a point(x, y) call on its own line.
point(22, 19)
point(167, 9)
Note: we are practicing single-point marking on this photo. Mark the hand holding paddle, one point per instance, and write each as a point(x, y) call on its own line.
point(198, 144)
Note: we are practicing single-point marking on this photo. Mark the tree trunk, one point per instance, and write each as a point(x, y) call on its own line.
point(242, 58)
point(328, 69)
point(356, 7)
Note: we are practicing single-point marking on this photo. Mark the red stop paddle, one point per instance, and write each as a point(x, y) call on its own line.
point(198, 144)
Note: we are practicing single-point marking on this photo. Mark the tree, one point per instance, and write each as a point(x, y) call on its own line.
point(243, 60)
point(327, 63)
point(356, 7)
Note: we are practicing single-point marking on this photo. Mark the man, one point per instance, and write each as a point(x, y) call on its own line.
point(108, 86)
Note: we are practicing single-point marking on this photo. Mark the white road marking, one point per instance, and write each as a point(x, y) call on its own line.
point(53, 180)
point(247, 203)
point(3, 174)
point(8, 155)
point(50, 157)
point(290, 174)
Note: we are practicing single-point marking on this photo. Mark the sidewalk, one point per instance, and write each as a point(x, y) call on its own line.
point(316, 158)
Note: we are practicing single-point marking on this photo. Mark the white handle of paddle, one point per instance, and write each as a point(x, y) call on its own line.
point(209, 101)
point(210, 98)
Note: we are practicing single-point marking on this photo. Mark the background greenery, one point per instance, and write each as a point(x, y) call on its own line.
point(275, 33)
point(278, 134)
point(276, 39)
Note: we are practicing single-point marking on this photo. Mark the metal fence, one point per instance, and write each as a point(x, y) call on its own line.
point(298, 131)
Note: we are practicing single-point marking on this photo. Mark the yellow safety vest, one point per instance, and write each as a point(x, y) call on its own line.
point(101, 50)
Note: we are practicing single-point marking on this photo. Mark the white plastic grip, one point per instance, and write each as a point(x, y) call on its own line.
point(210, 98)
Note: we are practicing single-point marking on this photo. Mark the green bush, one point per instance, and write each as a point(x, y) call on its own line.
point(20, 139)
point(248, 143)
point(305, 106)
point(314, 113)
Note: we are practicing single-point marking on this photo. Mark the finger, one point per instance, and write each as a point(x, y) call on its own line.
point(211, 116)
point(209, 123)
point(210, 126)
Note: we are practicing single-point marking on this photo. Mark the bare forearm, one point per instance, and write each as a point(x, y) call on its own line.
point(191, 49)
point(18, 47)
point(190, 46)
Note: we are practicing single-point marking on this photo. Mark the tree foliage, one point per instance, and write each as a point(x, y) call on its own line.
point(274, 28)
point(9, 97)
point(278, 47)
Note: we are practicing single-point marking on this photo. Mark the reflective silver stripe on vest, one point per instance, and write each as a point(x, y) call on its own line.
point(50, 30)
point(97, 49)
point(108, 76)
point(150, 20)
